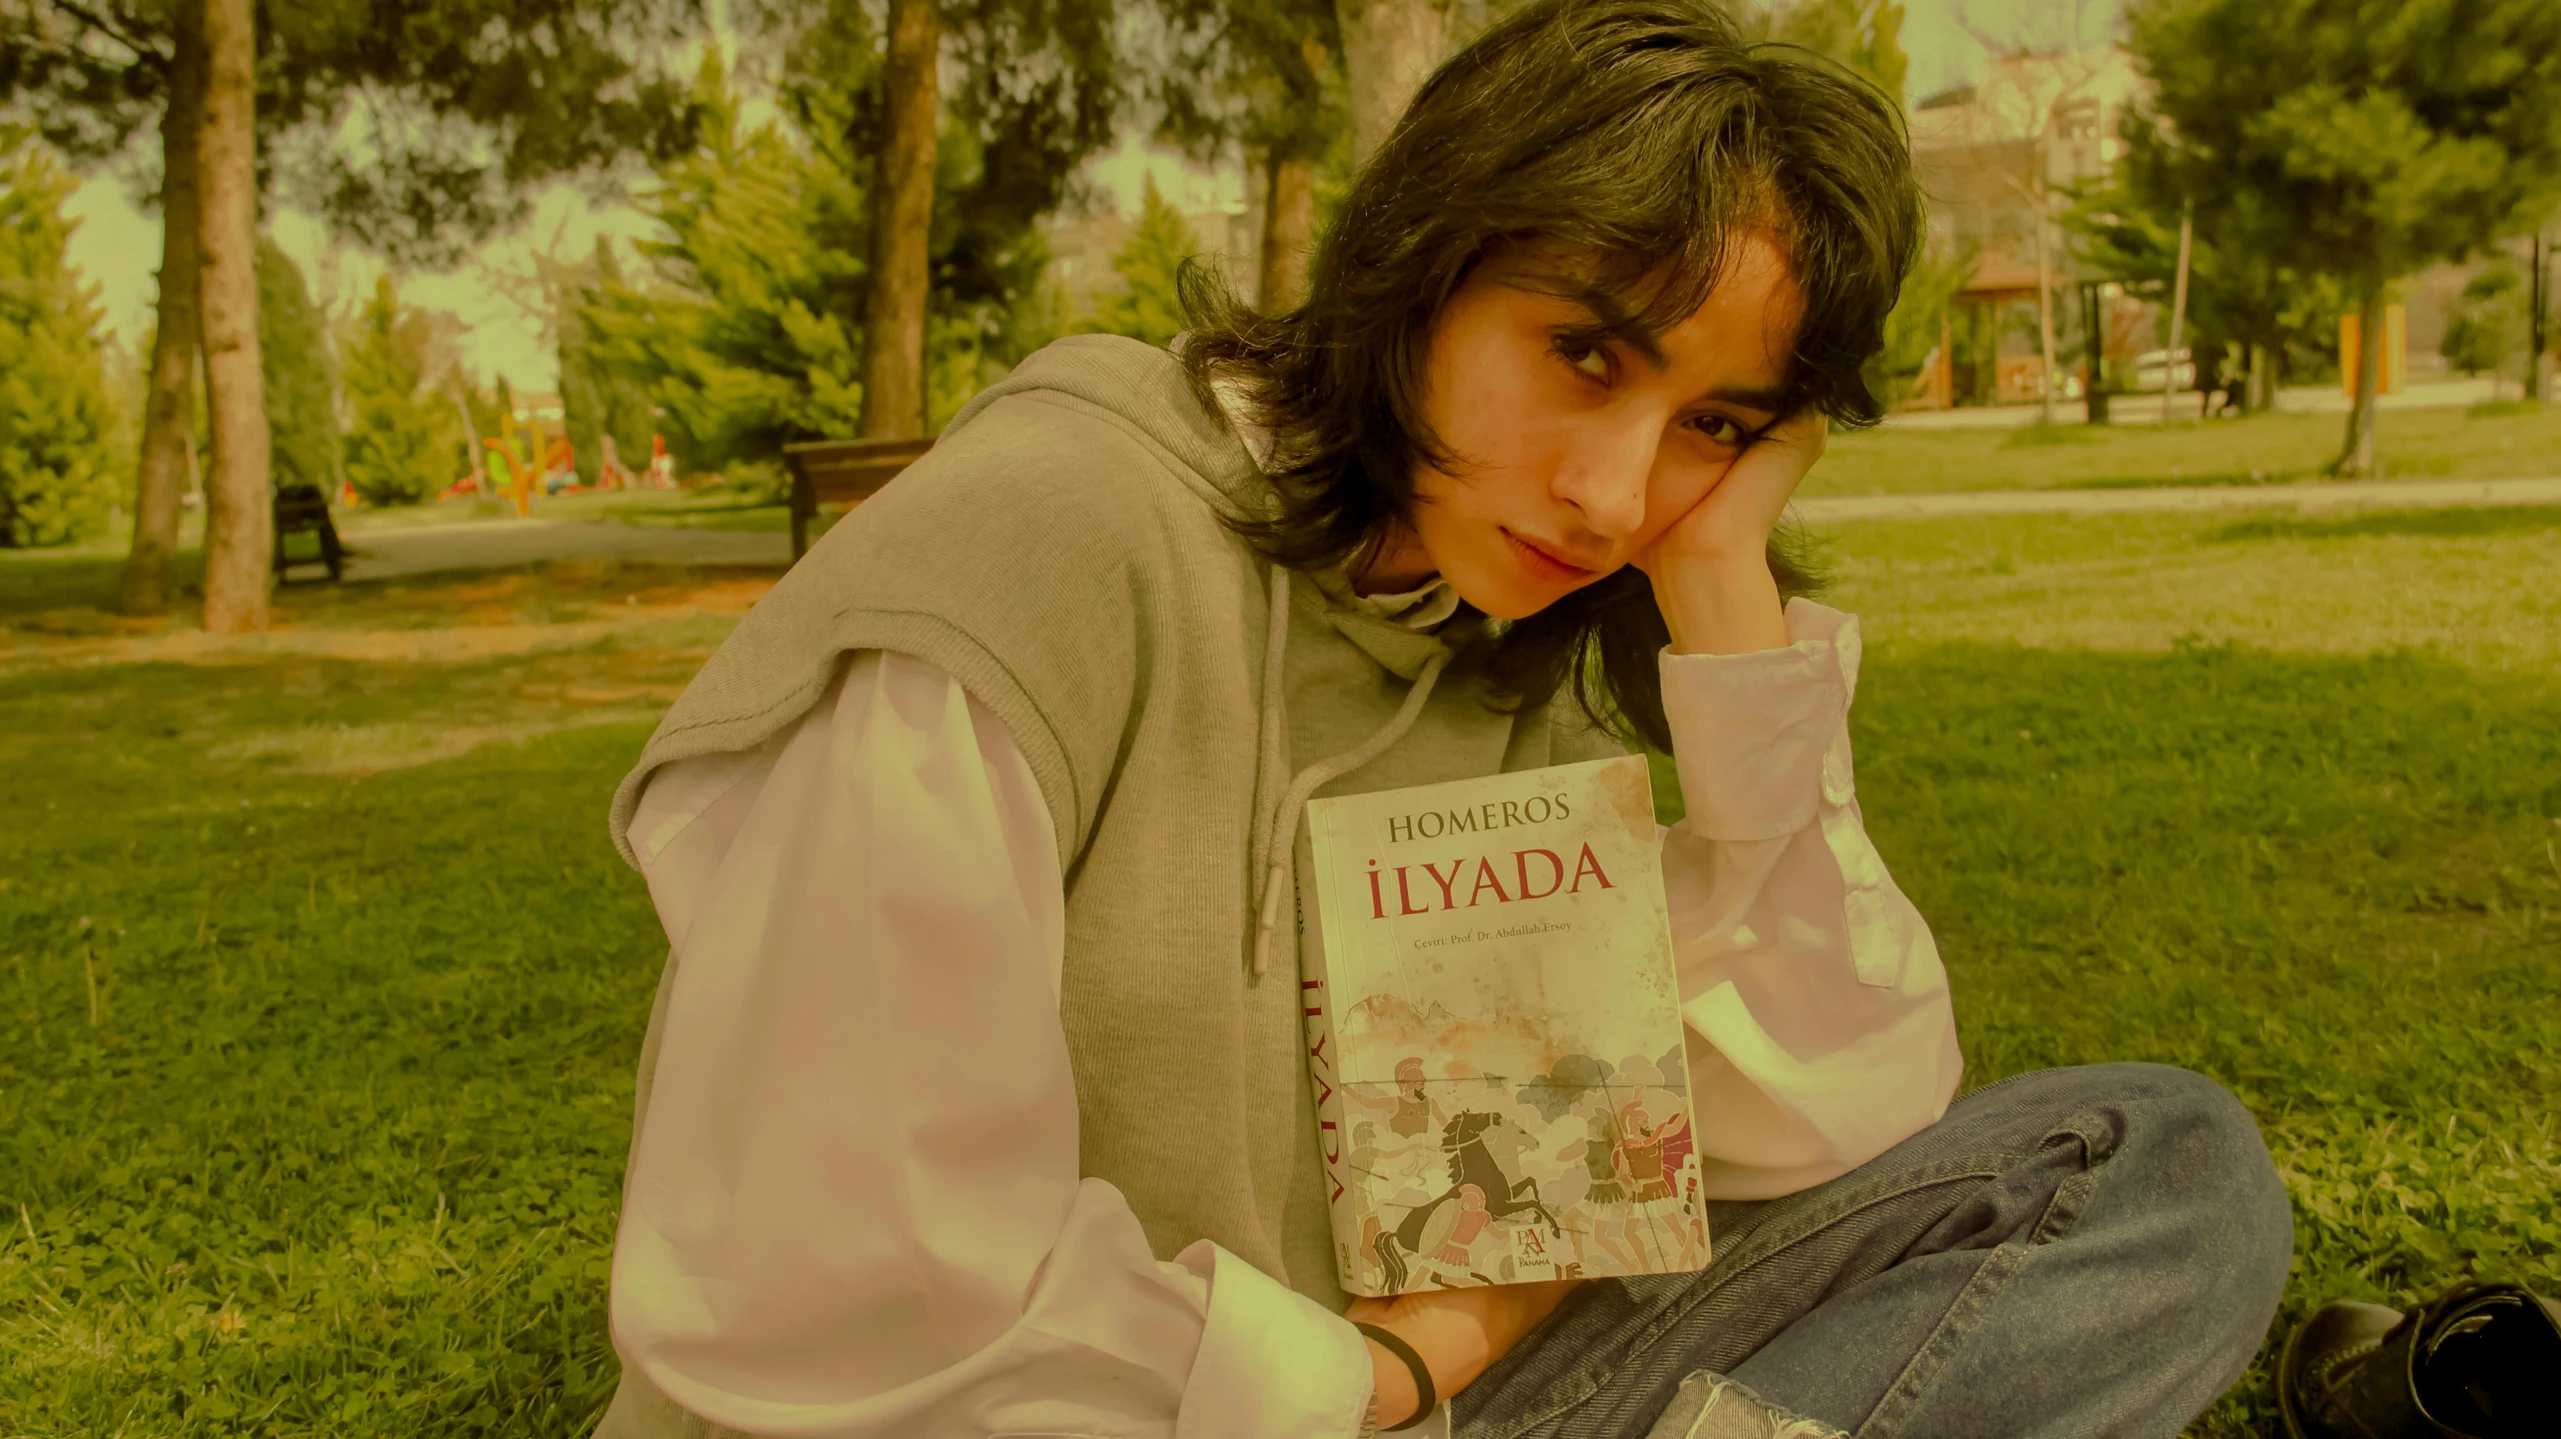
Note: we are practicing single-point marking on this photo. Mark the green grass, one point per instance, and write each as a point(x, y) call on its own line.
point(320, 988)
point(317, 1001)
point(2501, 441)
point(2279, 801)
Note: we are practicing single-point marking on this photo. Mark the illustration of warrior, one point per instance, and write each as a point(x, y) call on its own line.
point(1413, 1102)
point(1640, 1148)
point(1678, 1143)
point(1600, 1160)
point(1457, 1248)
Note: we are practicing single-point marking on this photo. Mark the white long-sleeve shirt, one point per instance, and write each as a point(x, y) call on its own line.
point(855, 1209)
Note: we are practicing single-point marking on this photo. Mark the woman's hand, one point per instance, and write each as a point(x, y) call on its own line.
point(1710, 567)
point(1459, 1333)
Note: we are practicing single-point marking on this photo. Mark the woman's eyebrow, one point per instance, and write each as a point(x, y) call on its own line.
point(1768, 399)
point(1613, 319)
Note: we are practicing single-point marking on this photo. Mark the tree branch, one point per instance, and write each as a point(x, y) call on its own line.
point(144, 53)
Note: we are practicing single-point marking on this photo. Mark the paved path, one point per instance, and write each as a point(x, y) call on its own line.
point(392, 553)
point(2145, 409)
point(2398, 494)
point(485, 544)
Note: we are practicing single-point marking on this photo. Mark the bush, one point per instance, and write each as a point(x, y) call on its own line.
point(2487, 324)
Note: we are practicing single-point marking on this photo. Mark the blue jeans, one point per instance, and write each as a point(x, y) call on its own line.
point(2075, 1251)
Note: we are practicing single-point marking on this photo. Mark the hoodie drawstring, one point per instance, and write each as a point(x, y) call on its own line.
point(1275, 846)
point(1268, 779)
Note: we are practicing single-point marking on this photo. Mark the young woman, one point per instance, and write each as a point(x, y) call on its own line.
point(974, 1099)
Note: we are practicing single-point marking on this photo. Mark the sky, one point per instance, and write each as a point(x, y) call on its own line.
point(118, 246)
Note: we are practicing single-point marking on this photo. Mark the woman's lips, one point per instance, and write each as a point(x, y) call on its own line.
point(1545, 563)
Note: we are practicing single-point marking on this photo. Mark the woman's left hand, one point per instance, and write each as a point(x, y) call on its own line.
point(1710, 567)
point(1458, 1333)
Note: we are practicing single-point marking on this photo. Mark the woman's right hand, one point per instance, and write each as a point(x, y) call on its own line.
point(1458, 1332)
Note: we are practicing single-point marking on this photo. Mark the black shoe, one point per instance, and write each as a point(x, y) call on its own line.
point(2481, 1362)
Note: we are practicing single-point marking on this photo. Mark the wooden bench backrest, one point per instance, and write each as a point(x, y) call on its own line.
point(843, 471)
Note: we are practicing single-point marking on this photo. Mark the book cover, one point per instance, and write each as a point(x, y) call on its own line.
point(1494, 1033)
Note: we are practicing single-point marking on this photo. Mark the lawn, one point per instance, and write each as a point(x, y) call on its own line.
point(2487, 442)
point(2499, 441)
point(320, 986)
point(2277, 801)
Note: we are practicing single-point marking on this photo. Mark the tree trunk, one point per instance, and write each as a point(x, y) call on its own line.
point(1390, 48)
point(902, 220)
point(2044, 319)
point(471, 449)
point(2178, 318)
point(2539, 300)
point(1289, 232)
point(2093, 356)
point(2258, 394)
point(168, 411)
point(239, 512)
point(2357, 461)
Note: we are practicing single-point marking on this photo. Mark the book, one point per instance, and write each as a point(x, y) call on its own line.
point(1494, 1033)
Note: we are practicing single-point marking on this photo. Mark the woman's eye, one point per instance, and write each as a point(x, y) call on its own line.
point(1588, 359)
point(1719, 430)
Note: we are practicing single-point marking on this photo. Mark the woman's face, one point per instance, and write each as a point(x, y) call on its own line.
point(1577, 434)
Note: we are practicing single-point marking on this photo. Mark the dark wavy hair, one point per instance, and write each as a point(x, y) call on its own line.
point(1636, 137)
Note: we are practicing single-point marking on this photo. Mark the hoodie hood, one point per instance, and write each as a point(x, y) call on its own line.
point(1144, 390)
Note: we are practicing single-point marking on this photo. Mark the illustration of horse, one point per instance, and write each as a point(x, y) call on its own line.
point(1427, 1227)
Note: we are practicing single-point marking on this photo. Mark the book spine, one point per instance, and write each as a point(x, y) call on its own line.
point(1343, 1197)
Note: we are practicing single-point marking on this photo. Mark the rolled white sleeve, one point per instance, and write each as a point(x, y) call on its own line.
point(1820, 1032)
point(854, 1208)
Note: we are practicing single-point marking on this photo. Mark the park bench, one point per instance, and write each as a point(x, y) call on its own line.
point(840, 472)
point(304, 510)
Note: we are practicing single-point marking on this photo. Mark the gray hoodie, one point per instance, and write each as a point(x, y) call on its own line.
point(1062, 553)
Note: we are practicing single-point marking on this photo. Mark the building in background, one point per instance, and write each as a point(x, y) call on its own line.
point(1996, 156)
point(1992, 155)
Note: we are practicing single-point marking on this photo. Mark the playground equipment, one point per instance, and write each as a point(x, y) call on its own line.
point(528, 462)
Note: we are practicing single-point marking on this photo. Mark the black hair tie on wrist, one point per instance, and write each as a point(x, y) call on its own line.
point(1429, 1397)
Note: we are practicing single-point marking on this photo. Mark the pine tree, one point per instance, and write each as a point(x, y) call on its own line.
point(1150, 308)
point(746, 326)
point(57, 479)
point(401, 441)
point(294, 358)
point(597, 400)
point(744, 331)
point(625, 413)
point(581, 396)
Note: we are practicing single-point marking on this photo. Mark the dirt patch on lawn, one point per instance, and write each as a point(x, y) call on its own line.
point(461, 620)
point(406, 744)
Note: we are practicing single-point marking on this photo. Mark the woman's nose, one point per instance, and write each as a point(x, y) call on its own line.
point(1607, 475)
